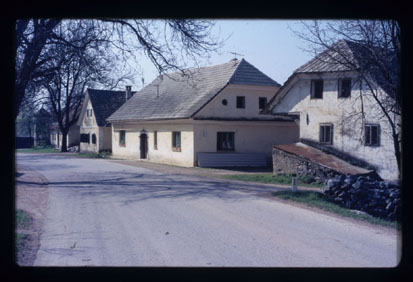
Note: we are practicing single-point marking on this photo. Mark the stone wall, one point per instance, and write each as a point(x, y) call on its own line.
point(365, 193)
point(286, 163)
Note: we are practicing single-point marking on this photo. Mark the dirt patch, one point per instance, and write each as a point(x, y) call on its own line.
point(31, 197)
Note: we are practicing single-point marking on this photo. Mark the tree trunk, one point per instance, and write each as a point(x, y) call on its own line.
point(64, 142)
point(397, 152)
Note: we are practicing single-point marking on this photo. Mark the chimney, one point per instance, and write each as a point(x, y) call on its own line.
point(128, 92)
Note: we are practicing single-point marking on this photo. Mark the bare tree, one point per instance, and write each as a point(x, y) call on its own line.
point(372, 48)
point(167, 43)
point(80, 61)
point(32, 35)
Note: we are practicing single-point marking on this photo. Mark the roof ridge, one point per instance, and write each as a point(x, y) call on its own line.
point(318, 59)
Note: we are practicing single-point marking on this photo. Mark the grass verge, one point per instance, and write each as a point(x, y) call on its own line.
point(316, 199)
point(39, 150)
point(23, 221)
point(275, 179)
point(47, 149)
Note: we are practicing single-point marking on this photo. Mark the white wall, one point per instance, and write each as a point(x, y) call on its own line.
point(164, 152)
point(249, 136)
point(345, 115)
point(251, 93)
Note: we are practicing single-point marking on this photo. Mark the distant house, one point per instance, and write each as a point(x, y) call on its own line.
point(56, 136)
point(95, 131)
point(208, 117)
point(329, 100)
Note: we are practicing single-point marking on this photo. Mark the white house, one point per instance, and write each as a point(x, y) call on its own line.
point(336, 109)
point(211, 112)
point(95, 131)
point(56, 136)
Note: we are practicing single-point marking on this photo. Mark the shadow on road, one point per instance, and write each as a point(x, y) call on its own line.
point(137, 187)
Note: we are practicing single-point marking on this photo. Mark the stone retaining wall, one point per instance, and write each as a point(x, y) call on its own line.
point(365, 193)
point(286, 163)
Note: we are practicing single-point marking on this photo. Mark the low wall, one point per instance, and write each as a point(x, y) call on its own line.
point(364, 193)
point(286, 163)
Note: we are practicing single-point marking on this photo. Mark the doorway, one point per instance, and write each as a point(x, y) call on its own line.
point(143, 145)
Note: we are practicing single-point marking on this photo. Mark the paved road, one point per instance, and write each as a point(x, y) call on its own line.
point(102, 213)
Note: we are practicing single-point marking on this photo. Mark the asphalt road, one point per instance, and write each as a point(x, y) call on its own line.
point(102, 213)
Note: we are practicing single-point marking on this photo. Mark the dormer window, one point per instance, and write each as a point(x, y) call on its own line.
point(344, 88)
point(317, 87)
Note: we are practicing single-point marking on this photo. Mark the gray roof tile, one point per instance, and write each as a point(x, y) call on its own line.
point(105, 102)
point(181, 96)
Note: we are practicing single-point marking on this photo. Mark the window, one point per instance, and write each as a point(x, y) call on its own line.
point(262, 102)
point(326, 133)
point(224, 102)
point(122, 138)
point(93, 138)
point(317, 89)
point(372, 135)
point(225, 141)
point(155, 140)
point(89, 112)
point(240, 102)
point(84, 138)
point(176, 141)
point(344, 88)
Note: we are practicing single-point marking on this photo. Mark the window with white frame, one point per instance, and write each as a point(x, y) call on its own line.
point(122, 138)
point(317, 88)
point(372, 135)
point(176, 141)
point(225, 141)
point(344, 88)
point(326, 133)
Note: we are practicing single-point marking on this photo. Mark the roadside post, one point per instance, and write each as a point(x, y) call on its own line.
point(294, 182)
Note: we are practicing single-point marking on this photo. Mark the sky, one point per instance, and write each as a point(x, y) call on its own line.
point(269, 45)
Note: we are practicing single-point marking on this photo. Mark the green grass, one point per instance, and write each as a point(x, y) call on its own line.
point(39, 149)
point(48, 149)
point(275, 179)
point(317, 199)
point(102, 155)
point(23, 220)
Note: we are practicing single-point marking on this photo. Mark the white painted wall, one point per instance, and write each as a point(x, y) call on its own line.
point(103, 134)
point(252, 93)
point(164, 152)
point(249, 136)
point(88, 125)
point(344, 114)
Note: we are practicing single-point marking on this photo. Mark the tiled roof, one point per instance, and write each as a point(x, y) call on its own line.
point(343, 55)
point(175, 96)
point(331, 60)
point(324, 159)
point(105, 102)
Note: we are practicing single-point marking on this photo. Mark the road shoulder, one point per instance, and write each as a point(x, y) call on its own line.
point(31, 196)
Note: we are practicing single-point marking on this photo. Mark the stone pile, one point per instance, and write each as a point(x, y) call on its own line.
point(365, 193)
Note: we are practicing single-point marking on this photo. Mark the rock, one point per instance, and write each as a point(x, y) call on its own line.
point(357, 184)
point(338, 199)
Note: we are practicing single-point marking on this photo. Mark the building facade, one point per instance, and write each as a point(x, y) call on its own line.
point(214, 110)
point(95, 132)
point(336, 109)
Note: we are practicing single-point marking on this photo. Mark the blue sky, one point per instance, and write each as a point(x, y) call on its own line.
point(269, 45)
